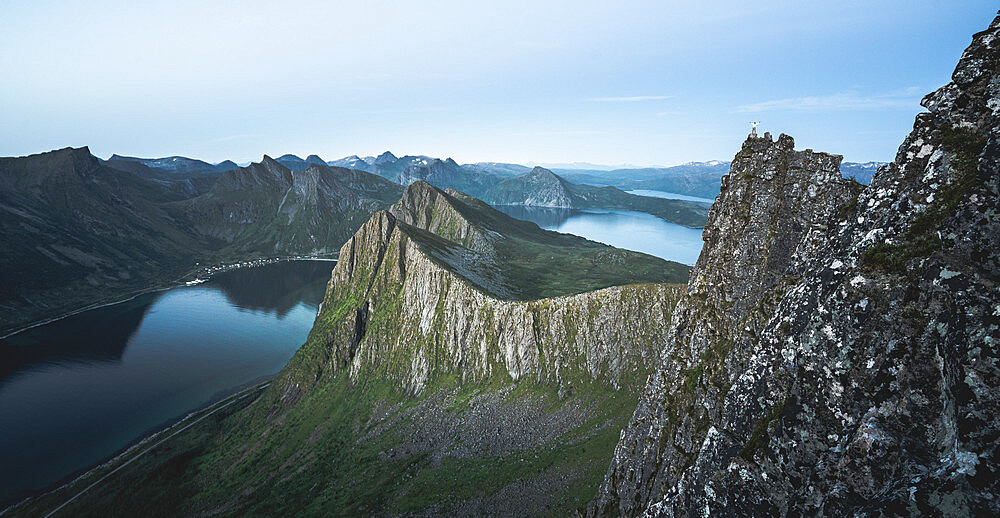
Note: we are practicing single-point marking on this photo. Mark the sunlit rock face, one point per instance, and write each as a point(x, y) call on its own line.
point(416, 293)
point(837, 352)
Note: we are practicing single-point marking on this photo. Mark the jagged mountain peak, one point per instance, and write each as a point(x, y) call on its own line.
point(268, 171)
point(541, 173)
point(835, 335)
point(426, 206)
point(271, 163)
point(74, 152)
point(66, 165)
point(385, 157)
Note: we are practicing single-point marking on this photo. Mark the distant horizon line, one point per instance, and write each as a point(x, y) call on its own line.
point(577, 165)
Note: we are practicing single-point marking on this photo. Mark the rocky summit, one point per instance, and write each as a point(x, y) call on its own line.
point(837, 353)
point(398, 306)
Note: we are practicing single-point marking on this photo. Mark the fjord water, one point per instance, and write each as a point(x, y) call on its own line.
point(627, 229)
point(77, 390)
point(669, 195)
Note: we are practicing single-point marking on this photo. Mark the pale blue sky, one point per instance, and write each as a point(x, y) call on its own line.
point(637, 82)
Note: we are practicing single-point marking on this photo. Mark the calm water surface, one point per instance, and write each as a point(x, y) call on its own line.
point(669, 195)
point(77, 390)
point(621, 228)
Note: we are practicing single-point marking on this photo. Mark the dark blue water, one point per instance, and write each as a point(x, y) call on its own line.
point(620, 228)
point(77, 390)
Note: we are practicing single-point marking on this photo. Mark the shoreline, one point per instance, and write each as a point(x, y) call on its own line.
point(211, 406)
point(176, 283)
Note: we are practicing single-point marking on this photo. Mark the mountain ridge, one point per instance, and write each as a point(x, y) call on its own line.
point(847, 383)
point(543, 188)
point(78, 230)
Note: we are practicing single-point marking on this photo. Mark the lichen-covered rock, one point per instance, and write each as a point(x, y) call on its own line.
point(844, 359)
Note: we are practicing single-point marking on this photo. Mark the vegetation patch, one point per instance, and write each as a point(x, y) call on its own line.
point(921, 239)
point(761, 436)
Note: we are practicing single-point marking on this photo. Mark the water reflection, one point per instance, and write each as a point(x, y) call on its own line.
point(100, 336)
point(76, 390)
point(620, 228)
point(671, 196)
point(545, 217)
point(260, 289)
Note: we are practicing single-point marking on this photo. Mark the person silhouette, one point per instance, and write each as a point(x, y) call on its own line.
point(753, 129)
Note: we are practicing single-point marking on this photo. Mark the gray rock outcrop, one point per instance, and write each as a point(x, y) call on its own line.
point(837, 355)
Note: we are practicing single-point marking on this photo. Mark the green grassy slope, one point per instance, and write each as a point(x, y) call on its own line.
point(345, 430)
point(534, 263)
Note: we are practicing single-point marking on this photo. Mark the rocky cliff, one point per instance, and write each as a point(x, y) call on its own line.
point(417, 294)
point(537, 188)
point(837, 353)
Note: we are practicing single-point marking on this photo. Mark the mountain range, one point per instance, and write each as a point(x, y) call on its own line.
point(445, 322)
point(698, 179)
point(181, 214)
point(543, 188)
point(79, 231)
point(833, 353)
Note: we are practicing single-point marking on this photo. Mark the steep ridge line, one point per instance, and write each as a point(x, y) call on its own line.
point(856, 372)
point(416, 299)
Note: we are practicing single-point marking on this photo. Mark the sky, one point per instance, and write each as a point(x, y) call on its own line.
point(624, 82)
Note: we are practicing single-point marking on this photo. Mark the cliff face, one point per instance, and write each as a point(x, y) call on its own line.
point(841, 358)
point(428, 208)
point(538, 188)
point(405, 304)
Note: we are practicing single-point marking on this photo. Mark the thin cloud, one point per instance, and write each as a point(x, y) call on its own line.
point(907, 98)
point(633, 99)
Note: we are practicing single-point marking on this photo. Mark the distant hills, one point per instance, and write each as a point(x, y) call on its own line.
point(444, 174)
point(267, 208)
point(178, 165)
point(184, 176)
point(77, 230)
point(295, 163)
point(543, 188)
point(512, 184)
point(73, 223)
point(697, 179)
point(700, 179)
